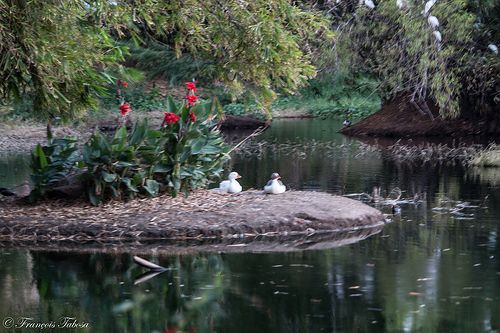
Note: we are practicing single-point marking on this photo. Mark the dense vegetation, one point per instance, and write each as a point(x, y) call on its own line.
point(439, 51)
point(62, 53)
point(60, 58)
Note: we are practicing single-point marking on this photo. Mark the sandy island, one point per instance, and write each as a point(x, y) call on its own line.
point(204, 215)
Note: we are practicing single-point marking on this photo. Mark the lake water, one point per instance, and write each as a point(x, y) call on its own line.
point(434, 268)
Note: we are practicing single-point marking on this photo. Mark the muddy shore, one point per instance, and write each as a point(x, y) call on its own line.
point(399, 119)
point(204, 215)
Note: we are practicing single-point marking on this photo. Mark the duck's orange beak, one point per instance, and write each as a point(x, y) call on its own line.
point(238, 176)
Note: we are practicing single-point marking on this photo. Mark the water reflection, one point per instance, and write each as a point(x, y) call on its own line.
point(14, 169)
point(428, 271)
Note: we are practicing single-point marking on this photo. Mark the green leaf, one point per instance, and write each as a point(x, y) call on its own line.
point(197, 145)
point(128, 184)
point(42, 159)
point(171, 107)
point(109, 177)
point(162, 168)
point(138, 133)
point(152, 187)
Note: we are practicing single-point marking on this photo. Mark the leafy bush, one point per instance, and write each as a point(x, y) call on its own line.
point(53, 163)
point(114, 166)
point(186, 153)
point(245, 109)
point(329, 96)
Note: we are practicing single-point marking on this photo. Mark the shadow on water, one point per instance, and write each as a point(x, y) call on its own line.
point(436, 268)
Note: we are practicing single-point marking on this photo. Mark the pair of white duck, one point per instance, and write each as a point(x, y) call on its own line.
point(273, 186)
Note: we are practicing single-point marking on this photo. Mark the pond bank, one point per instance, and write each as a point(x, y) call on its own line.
point(399, 119)
point(204, 215)
point(23, 137)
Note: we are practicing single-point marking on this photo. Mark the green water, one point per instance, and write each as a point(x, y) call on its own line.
point(434, 268)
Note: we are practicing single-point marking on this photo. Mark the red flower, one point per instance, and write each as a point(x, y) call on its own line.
point(192, 117)
point(124, 84)
point(191, 99)
point(124, 109)
point(191, 86)
point(170, 118)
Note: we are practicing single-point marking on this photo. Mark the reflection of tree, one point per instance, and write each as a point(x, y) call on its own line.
point(14, 169)
point(18, 292)
point(99, 289)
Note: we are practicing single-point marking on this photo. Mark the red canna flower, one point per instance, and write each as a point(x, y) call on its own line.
point(170, 118)
point(191, 86)
point(192, 117)
point(121, 83)
point(191, 99)
point(124, 109)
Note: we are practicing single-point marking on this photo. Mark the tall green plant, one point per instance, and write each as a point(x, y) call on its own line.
point(114, 166)
point(186, 153)
point(53, 163)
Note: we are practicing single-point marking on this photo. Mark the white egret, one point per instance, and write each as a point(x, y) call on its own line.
point(369, 4)
point(428, 6)
point(493, 48)
point(433, 22)
point(401, 4)
point(437, 35)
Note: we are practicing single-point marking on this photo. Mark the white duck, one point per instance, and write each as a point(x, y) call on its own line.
point(275, 186)
point(231, 185)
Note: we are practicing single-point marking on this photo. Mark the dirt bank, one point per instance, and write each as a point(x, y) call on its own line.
point(17, 138)
point(398, 118)
point(204, 214)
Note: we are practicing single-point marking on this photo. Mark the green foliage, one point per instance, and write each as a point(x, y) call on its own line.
point(195, 152)
point(327, 96)
point(180, 157)
point(49, 50)
point(137, 96)
point(345, 96)
point(113, 164)
point(249, 108)
point(62, 52)
point(161, 61)
point(52, 163)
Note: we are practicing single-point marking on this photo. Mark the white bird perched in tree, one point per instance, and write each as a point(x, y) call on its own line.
point(493, 48)
point(437, 35)
point(428, 6)
point(401, 4)
point(433, 22)
point(369, 4)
